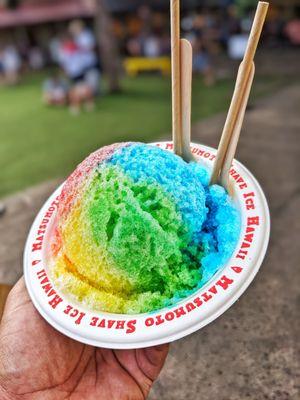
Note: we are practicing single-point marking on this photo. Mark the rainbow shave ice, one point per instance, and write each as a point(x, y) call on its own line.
point(138, 229)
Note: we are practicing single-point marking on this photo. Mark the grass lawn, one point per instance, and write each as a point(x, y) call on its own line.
point(39, 143)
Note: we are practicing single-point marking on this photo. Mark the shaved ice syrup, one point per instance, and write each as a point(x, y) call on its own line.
point(151, 227)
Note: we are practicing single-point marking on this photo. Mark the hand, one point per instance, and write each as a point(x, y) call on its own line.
point(39, 363)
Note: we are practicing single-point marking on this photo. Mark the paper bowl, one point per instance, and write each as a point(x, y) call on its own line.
point(118, 331)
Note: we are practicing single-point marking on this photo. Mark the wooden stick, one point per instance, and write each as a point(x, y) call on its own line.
point(186, 55)
point(176, 86)
point(224, 177)
point(239, 90)
point(257, 26)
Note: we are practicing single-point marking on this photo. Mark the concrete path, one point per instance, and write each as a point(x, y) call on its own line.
point(251, 351)
point(14, 227)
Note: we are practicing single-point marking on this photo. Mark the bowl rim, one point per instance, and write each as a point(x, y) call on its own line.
point(162, 335)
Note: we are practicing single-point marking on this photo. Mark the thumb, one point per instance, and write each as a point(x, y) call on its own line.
point(152, 359)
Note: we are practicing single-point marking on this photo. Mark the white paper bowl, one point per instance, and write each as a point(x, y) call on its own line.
point(166, 325)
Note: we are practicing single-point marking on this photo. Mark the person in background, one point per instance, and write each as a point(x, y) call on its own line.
point(86, 44)
point(134, 46)
point(84, 81)
point(195, 27)
point(292, 29)
point(151, 46)
point(11, 64)
point(87, 83)
point(201, 62)
point(83, 36)
point(230, 24)
point(81, 96)
point(70, 59)
point(238, 34)
point(55, 91)
point(54, 49)
point(237, 45)
point(165, 44)
point(36, 59)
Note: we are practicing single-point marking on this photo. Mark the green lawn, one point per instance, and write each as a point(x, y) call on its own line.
point(39, 143)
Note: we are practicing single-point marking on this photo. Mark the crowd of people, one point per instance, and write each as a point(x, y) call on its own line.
point(77, 81)
point(14, 58)
point(211, 31)
point(10, 65)
point(142, 34)
point(76, 77)
point(148, 35)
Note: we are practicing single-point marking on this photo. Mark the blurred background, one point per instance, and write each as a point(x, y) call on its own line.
point(78, 74)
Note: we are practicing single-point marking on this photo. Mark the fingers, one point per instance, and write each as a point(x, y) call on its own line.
point(17, 297)
point(143, 365)
point(152, 359)
point(128, 361)
point(19, 290)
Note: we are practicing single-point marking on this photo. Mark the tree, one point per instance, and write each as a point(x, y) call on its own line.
point(109, 50)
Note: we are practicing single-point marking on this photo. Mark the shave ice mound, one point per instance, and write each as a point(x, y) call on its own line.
point(139, 229)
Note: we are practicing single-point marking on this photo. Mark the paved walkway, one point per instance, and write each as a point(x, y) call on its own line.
point(14, 227)
point(249, 352)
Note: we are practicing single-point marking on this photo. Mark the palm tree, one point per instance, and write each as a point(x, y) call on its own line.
point(109, 51)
